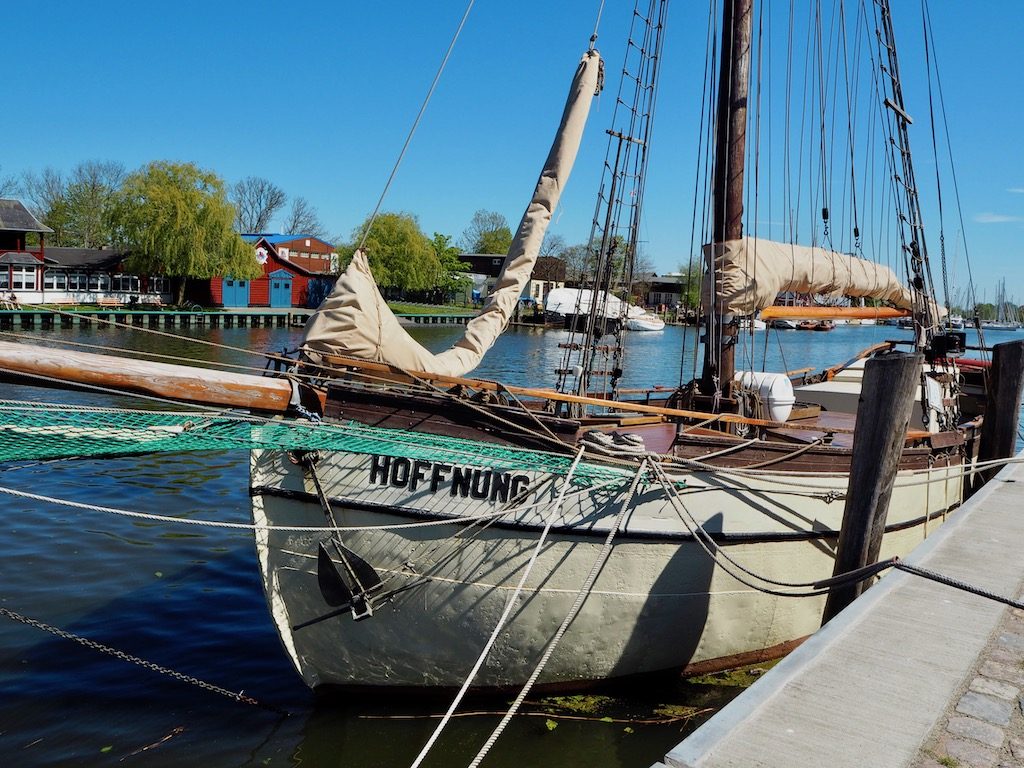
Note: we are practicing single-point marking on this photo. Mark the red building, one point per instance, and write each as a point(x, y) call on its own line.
point(297, 272)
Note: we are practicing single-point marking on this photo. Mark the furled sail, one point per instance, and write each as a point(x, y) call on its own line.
point(750, 273)
point(354, 320)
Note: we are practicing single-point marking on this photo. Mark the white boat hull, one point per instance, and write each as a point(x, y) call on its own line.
point(645, 323)
point(658, 604)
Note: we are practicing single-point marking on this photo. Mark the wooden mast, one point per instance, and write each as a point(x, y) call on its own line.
point(727, 195)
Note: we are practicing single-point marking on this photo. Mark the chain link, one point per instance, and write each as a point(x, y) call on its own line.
point(123, 656)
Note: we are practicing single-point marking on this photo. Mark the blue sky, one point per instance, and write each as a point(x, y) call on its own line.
point(318, 96)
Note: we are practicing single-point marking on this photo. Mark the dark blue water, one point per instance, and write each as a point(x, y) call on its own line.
point(190, 599)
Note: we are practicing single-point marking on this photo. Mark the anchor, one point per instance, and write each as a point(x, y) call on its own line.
point(351, 585)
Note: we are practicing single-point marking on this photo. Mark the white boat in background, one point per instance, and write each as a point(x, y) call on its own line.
point(580, 301)
point(644, 322)
point(755, 323)
point(575, 305)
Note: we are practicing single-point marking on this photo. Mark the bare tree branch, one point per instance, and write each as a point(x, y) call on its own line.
point(9, 186)
point(90, 191)
point(256, 201)
point(553, 245)
point(303, 219)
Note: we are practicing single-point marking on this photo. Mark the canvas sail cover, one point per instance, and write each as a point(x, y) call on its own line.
point(750, 273)
point(354, 320)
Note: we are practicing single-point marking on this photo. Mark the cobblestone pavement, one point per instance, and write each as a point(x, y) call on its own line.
point(984, 725)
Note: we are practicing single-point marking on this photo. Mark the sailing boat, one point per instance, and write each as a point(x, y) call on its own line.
point(410, 520)
point(1002, 321)
point(481, 521)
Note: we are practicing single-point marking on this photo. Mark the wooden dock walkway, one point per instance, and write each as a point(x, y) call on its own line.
point(913, 673)
point(254, 317)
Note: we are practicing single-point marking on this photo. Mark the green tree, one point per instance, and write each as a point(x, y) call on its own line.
point(400, 255)
point(488, 232)
point(176, 220)
point(690, 276)
point(452, 278)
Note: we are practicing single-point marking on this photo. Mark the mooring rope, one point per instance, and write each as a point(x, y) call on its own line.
point(581, 596)
point(949, 581)
point(509, 605)
point(153, 517)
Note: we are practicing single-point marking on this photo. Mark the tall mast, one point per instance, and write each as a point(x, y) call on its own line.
point(727, 193)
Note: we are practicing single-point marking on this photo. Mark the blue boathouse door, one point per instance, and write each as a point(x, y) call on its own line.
point(235, 292)
point(280, 288)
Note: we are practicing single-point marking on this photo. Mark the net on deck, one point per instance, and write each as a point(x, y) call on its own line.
point(37, 431)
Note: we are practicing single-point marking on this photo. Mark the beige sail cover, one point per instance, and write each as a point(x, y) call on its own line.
point(354, 320)
point(751, 273)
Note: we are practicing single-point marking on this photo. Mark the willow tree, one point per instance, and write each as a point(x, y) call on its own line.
point(400, 255)
point(175, 219)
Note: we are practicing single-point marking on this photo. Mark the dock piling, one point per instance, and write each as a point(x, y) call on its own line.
point(883, 414)
point(1002, 407)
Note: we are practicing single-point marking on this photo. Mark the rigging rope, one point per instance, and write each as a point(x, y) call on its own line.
point(415, 125)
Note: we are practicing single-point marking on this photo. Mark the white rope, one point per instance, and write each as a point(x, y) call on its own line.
point(509, 605)
point(581, 596)
point(286, 528)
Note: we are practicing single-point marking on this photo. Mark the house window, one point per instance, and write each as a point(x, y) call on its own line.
point(99, 282)
point(23, 278)
point(5, 278)
point(77, 281)
point(55, 280)
point(159, 284)
point(125, 283)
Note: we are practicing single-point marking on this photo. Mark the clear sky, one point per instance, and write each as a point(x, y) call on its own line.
point(317, 96)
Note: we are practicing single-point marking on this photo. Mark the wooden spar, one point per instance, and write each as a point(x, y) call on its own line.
point(391, 373)
point(883, 414)
point(730, 149)
point(817, 313)
point(207, 386)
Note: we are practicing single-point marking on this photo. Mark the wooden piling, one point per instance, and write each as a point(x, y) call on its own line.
point(1002, 408)
point(883, 413)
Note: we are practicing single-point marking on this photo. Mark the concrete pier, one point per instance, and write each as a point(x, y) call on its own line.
point(913, 673)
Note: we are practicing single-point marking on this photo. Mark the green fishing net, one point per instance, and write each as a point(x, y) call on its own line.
point(36, 431)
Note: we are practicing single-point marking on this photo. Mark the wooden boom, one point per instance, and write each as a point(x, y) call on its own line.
point(393, 373)
point(49, 366)
point(819, 313)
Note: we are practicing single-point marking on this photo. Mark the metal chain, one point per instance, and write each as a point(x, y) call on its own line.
point(153, 667)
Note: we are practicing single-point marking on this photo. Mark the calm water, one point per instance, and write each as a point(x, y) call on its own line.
point(190, 599)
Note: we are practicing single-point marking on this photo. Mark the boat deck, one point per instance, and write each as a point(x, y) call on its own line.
point(871, 686)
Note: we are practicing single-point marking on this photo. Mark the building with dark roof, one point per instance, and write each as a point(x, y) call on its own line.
point(35, 274)
point(484, 269)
